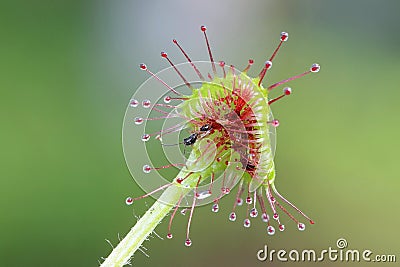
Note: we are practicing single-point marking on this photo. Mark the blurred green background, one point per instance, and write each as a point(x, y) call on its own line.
point(68, 69)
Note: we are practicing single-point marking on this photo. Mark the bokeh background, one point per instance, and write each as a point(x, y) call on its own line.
point(68, 69)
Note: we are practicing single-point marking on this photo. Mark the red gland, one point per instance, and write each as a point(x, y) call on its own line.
point(232, 216)
point(251, 61)
point(222, 63)
point(145, 137)
point(167, 99)
point(246, 223)
point(249, 200)
point(179, 180)
point(134, 103)
point(188, 242)
point(146, 169)
point(129, 201)
point(315, 67)
point(203, 28)
point(253, 212)
point(215, 207)
point(146, 103)
point(284, 36)
point(143, 66)
point(164, 55)
point(268, 64)
point(301, 226)
point(270, 230)
point(138, 120)
point(287, 90)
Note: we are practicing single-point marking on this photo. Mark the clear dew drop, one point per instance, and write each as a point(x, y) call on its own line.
point(146, 103)
point(281, 227)
point(188, 242)
point(270, 230)
point(232, 216)
point(246, 223)
point(265, 217)
point(133, 103)
point(146, 169)
point(203, 194)
point(169, 236)
point(145, 137)
point(301, 226)
point(128, 201)
point(138, 120)
point(253, 213)
point(215, 208)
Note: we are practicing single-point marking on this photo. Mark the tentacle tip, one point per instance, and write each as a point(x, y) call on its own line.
point(138, 120)
point(284, 36)
point(146, 169)
point(145, 137)
point(270, 230)
point(215, 208)
point(268, 64)
point(167, 99)
point(164, 55)
point(128, 201)
point(246, 223)
point(232, 216)
point(143, 66)
point(188, 242)
point(315, 68)
point(203, 28)
point(301, 226)
point(287, 90)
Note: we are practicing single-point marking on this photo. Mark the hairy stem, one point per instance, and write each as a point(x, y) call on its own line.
point(122, 253)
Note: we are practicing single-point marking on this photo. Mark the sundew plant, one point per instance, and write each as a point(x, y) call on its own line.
point(212, 125)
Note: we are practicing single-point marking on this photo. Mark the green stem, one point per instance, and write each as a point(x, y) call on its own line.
point(122, 253)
